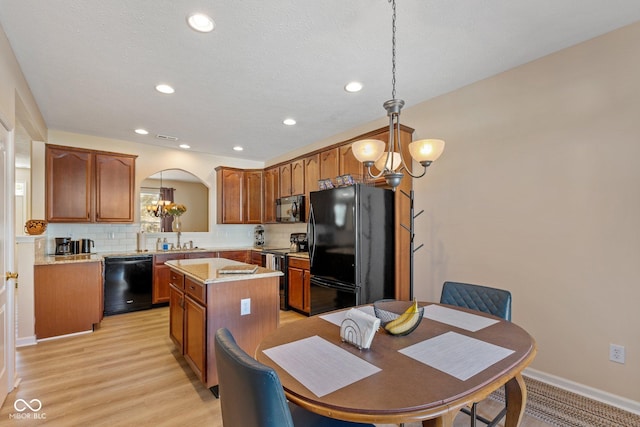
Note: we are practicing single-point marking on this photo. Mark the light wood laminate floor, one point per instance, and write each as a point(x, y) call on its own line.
point(126, 373)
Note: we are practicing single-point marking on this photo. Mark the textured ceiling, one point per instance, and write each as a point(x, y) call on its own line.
point(92, 64)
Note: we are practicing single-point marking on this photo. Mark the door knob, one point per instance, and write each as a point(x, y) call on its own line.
point(10, 275)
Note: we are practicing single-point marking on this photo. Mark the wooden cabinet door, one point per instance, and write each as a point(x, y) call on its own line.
point(253, 197)
point(115, 178)
point(271, 193)
point(299, 284)
point(256, 258)
point(163, 276)
point(285, 180)
point(349, 164)
point(161, 280)
point(68, 184)
point(176, 317)
point(195, 337)
point(68, 298)
point(229, 196)
point(311, 177)
point(296, 293)
point(297, 177)
point(329, 164)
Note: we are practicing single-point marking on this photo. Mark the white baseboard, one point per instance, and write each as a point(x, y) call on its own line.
point(584, 390)
point(26, 341)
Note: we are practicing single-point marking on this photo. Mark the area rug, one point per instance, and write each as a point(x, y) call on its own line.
point(558, 407)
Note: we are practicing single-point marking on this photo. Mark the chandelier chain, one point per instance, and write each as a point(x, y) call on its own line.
point(393, 50)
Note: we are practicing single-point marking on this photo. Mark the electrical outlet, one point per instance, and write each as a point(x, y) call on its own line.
point(245, 306)
point(616, 353)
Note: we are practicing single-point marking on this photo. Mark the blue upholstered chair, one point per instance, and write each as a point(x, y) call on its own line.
point(251, 393)
point(488, 300)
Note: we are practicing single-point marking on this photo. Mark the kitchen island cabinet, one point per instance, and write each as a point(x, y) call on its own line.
point(68, 298)
point(246, 304)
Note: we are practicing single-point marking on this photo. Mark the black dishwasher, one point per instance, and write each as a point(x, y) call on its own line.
point(128, 283)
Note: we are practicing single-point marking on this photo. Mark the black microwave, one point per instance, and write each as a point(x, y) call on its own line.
point(290, 209)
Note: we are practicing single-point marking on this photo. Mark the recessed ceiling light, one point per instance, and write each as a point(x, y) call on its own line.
point(141, 131)
point(289, 122)
point(353, 87)
point(238, 148)
point(162, 88)
point(185, 146)
point(200, 22)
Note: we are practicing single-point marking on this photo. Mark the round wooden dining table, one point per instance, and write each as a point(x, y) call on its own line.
point(407, 390)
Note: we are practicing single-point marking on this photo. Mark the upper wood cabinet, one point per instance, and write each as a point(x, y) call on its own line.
point(292, 178)
point(239, 196)
point(229, 195)
point(271, 193)
point(88, 186)
point(253, 197)
point(329, 164)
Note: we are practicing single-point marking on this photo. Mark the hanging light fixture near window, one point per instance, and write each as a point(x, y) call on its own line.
point(372, 151)
point(159, 208)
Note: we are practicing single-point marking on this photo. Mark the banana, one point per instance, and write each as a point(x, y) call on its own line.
point(405, 322)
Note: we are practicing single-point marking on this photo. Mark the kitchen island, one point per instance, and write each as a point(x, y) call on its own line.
point(202, 299)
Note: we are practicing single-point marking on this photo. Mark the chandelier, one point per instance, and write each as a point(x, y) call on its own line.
point(372, 151)
point(159, 208)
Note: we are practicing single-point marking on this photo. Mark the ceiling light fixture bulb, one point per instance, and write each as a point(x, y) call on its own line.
point(163, 88)
point(185, 146)
point(289, 122)
point(353, 87)
point(238, 148)
point(141, 131)
point(201, 22)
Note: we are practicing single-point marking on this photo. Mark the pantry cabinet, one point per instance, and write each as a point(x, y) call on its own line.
point(88, 186)
point(311, 177)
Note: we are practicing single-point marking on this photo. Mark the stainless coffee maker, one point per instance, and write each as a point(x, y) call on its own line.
point(63, 246)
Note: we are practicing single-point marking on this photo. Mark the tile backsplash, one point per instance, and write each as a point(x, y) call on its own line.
point(123, 237)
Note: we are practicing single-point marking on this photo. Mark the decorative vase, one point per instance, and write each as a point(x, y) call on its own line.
point(177, 224)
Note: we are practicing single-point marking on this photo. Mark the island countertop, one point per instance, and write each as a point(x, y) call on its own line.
point(205, 270)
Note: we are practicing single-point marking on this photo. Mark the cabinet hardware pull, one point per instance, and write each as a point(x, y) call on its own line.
point(9, 275)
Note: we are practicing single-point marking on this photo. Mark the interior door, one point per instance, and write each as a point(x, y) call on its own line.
point(6, 260)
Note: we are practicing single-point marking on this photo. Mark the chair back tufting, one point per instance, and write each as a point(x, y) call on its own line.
point(482, 298)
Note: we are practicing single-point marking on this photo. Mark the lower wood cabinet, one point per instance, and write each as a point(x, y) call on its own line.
point(299, 284)
point(195, 336)
point(68, 298)
point(161, 276)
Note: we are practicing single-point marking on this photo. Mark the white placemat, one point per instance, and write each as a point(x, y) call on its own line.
point(460, 319)
point(457, 355)
point(319, 365)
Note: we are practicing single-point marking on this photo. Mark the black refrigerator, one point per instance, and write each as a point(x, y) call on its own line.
point(351, 247)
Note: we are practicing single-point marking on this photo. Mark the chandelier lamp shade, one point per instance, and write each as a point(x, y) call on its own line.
point(390, 160)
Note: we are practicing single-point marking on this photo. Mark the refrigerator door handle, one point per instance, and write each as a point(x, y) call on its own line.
point(311, 235)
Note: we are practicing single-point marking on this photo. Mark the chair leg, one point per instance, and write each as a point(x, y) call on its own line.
point(474, 409)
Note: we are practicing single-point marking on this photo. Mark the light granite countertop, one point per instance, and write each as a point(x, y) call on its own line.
point(207, 270)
